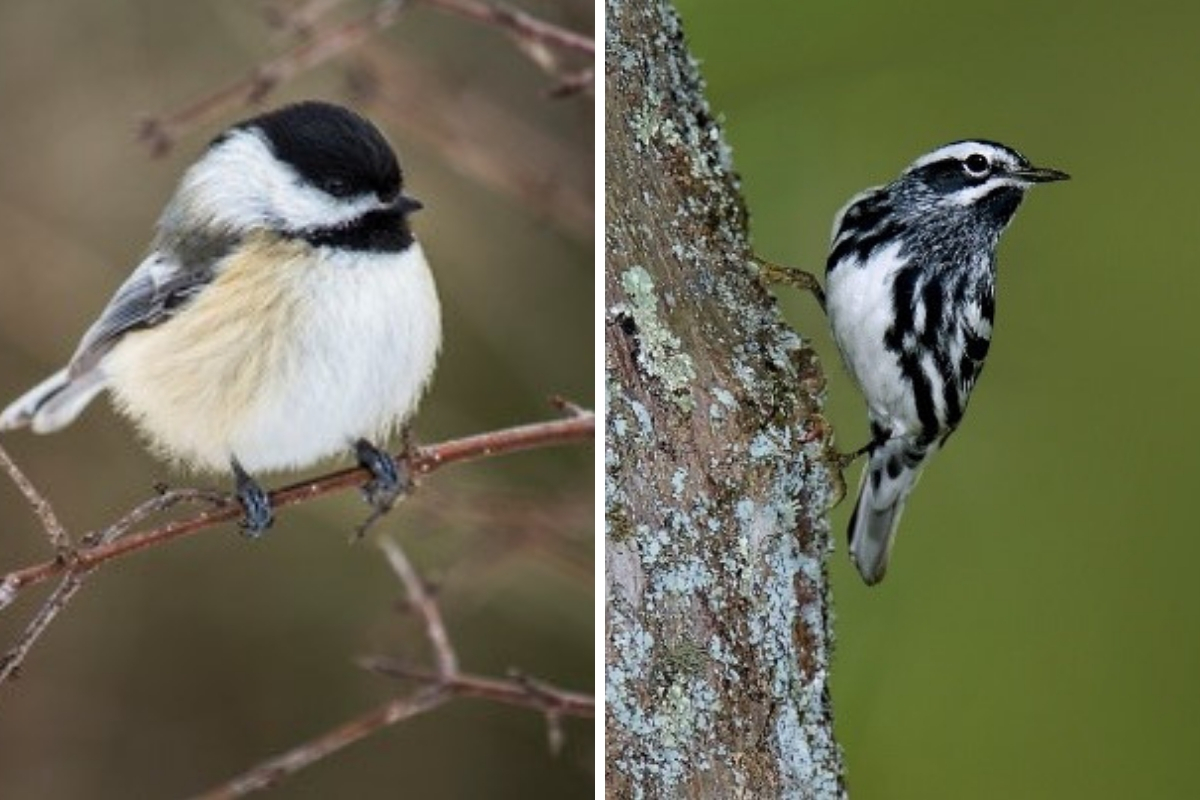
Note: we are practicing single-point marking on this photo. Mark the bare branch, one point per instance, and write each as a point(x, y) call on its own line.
point(320, 45)
point(55, 531)
point(519, 690)
point(480, 137)
point(300, 20)
point(272, 772)
point(523, 26)
point(165, 500)
point(11, 661)
point(420, 599)
point(161, 132)
point(567, 407)
point(441, 685)
point(579, 82)
point(426, 460)
point(113, 542)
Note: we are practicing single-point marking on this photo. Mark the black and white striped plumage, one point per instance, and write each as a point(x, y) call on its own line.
point(910, 292)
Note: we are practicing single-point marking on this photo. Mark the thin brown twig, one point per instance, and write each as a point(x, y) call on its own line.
point(524, 26)
point(10, 662)
point(109, 544)
point(442, 684)
point(421, 600)
point(424, 461)
point(516, 691)
point(161, 132)
point(579, 82)
point(163, 501)
point(301, 19)
point(568, 407)
point(520, 690)
point(480, 137)
point(273, 771)
point(317, 46)
point(55, 531)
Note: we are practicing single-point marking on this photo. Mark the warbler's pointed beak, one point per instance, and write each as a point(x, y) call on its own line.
point(407, 205)
point(1040, 175)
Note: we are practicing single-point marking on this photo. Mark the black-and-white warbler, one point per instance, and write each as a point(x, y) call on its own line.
point(910, 294)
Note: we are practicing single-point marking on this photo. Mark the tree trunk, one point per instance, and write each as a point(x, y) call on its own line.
point(717, 481)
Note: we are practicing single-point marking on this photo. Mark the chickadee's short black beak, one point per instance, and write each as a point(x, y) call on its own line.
point(1040, 175)
point(407, 205)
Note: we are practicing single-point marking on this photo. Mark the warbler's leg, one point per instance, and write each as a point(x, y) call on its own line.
point(256, 504)
point(844, 460)
point(840, 462)
point(797, 278)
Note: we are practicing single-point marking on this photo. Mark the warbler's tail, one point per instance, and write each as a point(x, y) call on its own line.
point(895, 465)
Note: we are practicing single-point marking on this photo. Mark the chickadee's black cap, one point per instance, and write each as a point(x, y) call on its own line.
point(333, 148)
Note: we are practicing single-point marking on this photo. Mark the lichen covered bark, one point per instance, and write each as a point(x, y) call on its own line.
point(718, 631)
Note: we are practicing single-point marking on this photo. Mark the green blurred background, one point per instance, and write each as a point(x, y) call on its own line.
point(1038, 634)
point(177, 668)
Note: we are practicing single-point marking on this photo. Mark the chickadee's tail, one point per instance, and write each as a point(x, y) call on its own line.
point(894, 467)
point(53, 403)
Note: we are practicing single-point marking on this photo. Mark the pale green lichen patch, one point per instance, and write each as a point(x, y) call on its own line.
point(658, 353)
point(684, 657)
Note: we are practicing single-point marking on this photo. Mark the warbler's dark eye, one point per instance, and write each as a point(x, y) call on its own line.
point(977, 164)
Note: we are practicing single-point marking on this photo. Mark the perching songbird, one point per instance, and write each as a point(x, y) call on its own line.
point(284, 314)
point(910, 294)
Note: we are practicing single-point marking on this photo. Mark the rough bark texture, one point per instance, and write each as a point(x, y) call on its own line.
point(718, 627)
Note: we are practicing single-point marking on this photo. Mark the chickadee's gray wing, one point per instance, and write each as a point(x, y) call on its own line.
point(159, 287)
point(178, 269)
point(156, 289)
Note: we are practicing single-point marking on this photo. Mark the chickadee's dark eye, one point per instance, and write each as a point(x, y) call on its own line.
point(977, 164)
point(336, 187)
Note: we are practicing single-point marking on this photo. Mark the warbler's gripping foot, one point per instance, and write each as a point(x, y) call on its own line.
point(797, 278)
point(840, 462)
point(844, 460)
point(390, 479)
point(257, 515)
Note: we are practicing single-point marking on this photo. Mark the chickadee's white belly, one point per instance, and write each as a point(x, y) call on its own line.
point(285, 359)
point(860, 307)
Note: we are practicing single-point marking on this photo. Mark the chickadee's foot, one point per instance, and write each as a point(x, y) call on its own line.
point(256, 504)
point(390, 479)
point(385, 484)
point(797, 278)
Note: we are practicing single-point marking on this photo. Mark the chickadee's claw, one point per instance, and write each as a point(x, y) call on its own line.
point(384, 486)
point(256, 504)
point(390, 480)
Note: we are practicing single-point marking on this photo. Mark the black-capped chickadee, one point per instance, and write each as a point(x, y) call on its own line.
point(285, 311)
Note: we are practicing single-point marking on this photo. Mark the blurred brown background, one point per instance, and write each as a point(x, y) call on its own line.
point(179, 667)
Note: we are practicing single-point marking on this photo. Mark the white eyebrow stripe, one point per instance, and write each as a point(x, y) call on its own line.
point(960, 150)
